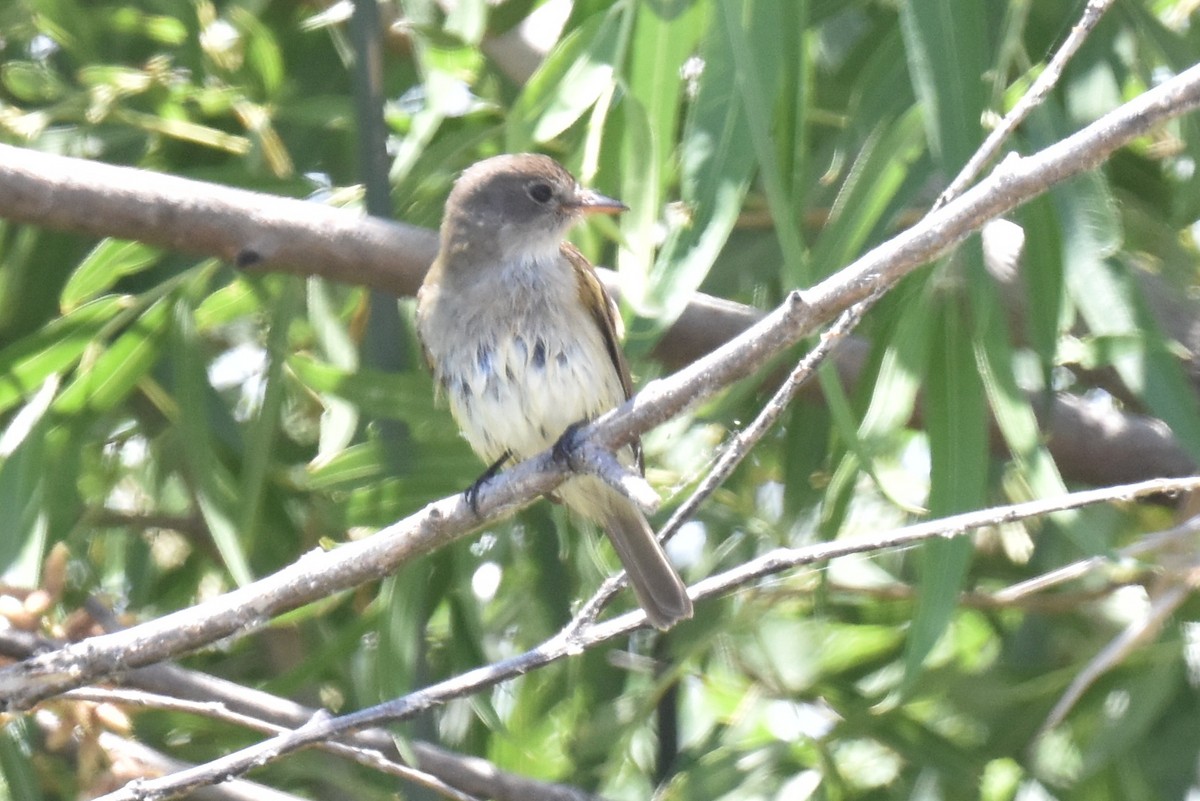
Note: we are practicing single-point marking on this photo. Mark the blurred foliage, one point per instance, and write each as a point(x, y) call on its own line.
point(180, 428)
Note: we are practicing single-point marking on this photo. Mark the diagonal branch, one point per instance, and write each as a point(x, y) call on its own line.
point(1038, 92)
point(215, 710)
point(744, 441)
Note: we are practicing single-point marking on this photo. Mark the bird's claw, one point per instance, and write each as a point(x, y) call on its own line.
point(472, 492)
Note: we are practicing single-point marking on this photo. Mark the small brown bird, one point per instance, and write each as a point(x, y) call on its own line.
point(522, 338)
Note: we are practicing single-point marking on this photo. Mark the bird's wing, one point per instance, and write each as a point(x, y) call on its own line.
point(596, 299)
point(604, 310)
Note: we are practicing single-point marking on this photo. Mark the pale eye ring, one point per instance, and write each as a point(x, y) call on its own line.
point(540, 192)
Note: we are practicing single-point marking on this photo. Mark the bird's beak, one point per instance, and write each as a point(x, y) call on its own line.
point(589, 202)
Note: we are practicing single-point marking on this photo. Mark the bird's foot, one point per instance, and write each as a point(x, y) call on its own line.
point(564, 448)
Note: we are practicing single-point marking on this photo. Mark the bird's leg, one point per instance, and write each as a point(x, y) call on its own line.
point(472, 492)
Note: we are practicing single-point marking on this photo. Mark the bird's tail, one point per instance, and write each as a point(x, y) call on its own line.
point(659, 589)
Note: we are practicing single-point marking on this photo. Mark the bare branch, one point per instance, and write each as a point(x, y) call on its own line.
point(218, 711)
point(127, 757)
point(249, 229)
point(470, 774)
point(1029, 101)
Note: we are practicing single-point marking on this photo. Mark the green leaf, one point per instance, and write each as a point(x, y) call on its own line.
point(339, 422)
point(956, 422)
point(31, 82)
point(264, 428)
point(263, 57)
point(568, 82)
point(905, 361)
point(715, 173)
point(503, 16)
point(18, 773)
point(162, 29)
point(1048, 309)
point(447, 465)
point(109, 262)
point(355, 466)
point(872, 183)
point(947, 49)
point(119, 79)
point(108, 380)
point(214, 490)
point(23, 528)
point(757, 57)
point(897, 383)
point(468, 20)
point(1014, 415)
point(377, 394)
point(665, 36)
point(640, 190)
point(219, 517)
point(26, 364)
point(226, 305)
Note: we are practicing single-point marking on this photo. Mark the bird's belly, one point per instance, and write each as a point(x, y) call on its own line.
point(519, 394)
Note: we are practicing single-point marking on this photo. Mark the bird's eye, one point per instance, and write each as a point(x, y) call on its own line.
point(540, 192)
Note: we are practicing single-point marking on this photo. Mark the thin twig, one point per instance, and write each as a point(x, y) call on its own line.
point(1058, 603)
point(217, 711)
point(469, 774)
point(1167, 598)
point(126, 756)
point(1029, 101)
point(1157, 542)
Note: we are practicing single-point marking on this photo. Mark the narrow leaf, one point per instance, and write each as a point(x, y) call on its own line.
point(109, 262)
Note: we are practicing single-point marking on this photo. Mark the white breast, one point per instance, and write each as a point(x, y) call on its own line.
point(519, 358)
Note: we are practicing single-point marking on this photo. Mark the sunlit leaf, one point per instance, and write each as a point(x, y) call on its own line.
point(567, 83)
point(25, 364)
point(107, 380)
point(956, 420)
point(31, 82)
point(109, 262)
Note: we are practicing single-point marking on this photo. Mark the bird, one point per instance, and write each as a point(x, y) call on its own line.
point(523, 342)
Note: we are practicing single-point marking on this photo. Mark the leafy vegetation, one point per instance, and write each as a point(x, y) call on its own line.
point(174, 427)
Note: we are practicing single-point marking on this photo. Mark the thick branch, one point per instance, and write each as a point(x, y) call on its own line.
point(249, 229)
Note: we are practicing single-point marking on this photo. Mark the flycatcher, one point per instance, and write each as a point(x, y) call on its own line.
point(522, 339)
